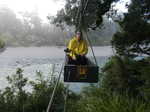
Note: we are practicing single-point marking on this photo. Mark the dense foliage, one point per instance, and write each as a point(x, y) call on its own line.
point(134, 39)
point(2, 44)
point(102, 100)
point(83, 14)
point(127, 76)
point(17, 98)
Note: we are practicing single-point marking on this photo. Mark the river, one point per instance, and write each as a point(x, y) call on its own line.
point(32, 59)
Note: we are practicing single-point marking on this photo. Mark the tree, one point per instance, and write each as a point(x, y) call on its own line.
point(10, 27)
point(2, 45)
point(123, 75)
point(18, 82)
point(128, 72)
point(83, 14)
point(16, 98)
point(134, 39)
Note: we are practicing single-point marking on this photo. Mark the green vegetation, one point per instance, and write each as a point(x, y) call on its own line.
point(124, 84)
point(92, 16)
point(127, 76)
point(2, 44)
point(134, 39)
point(18, 97)
point(15, 98)
point(99, 100)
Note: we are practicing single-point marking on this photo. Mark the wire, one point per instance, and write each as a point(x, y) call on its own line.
point(54, 90)
point(91, 48)
point(82, 14)
point(85, 6)
point(66, 96)
point(87, 35)
point(78, 12)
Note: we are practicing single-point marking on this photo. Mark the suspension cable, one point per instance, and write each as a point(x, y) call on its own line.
point(66, 96)
point(91, 48)
point(85, 6)
point(54, 90)
point(78, 12)
point(88, 37)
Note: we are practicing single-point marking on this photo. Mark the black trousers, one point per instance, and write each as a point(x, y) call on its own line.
point(81, 60)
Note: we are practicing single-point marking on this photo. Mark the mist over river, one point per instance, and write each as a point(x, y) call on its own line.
point(32, 59)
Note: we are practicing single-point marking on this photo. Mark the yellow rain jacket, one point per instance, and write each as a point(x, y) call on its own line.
point(77, 47)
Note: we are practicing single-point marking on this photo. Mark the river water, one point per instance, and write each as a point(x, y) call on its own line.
point(32, 59)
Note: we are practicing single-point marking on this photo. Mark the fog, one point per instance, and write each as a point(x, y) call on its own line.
point(29, 30)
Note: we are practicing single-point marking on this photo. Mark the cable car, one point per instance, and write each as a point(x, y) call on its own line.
point(81, 73)
point(87, 73)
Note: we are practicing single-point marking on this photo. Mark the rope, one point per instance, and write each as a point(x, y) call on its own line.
point(88, 37)
point(66, 96)
point(85, 6)
point(91, 48)
point(54, 90)
point(78, 13)
point(81, 12)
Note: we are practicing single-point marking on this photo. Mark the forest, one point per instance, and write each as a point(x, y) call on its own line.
point(28, 29)
point(124, 81)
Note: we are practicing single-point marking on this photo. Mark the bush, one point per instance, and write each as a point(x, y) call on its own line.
point(15, 98)
point(2, 43)
point(104, 101)
point(127, 75)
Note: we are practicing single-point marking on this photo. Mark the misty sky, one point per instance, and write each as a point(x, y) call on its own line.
point(44, 7)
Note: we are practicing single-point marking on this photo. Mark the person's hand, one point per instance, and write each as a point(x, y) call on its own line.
point(67, 50)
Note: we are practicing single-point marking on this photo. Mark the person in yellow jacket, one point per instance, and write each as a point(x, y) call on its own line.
point(77, 50)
